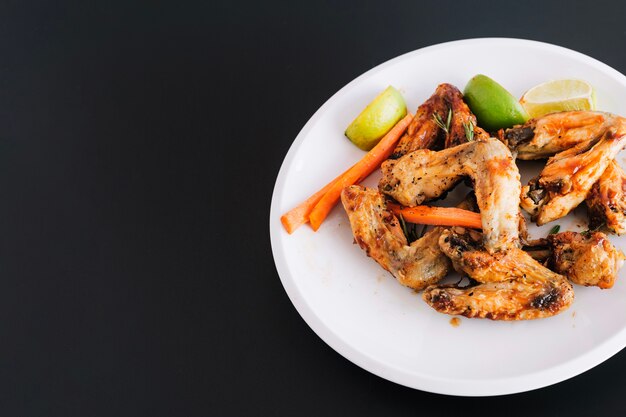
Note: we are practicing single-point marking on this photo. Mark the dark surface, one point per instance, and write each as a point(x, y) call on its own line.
point(140, 145)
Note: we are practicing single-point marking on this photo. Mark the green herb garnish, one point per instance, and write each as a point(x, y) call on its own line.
point(588, 232)
point(403, 225)
point(444, 126)
point(469, 131)
point(410, 230)
point(554, 230)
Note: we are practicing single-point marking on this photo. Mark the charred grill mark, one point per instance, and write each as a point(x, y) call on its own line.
point(460, 244)
point(550, 301)
point(557, 186)
point(519, 134)
point(535, 192)
point(440, 300)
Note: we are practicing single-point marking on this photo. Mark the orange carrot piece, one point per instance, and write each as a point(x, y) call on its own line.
point(368, 164)
point(438, 216)
point(299, 215)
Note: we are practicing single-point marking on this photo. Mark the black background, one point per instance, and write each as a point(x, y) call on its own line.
point(139, 145)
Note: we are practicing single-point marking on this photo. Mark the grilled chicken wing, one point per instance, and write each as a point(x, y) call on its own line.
point(518, 299)
point(462, 120)
point(545, 136)
point(468, 257)
point(425, 133)
point(378, 232)
point(514, 286)
point(569, 175)
point(586, 260)
point(425, 175)
point(606, 201)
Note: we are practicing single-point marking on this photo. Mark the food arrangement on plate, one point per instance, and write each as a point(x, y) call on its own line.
point(476, 137)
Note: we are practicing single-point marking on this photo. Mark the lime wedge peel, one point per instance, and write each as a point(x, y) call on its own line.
point(559, 95)
point(493, 106)
point(377, 119)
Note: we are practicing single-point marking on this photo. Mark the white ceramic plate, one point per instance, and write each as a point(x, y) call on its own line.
point(365, 315)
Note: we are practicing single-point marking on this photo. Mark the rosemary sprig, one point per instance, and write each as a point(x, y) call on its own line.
point(555, 230)
point(403, 225)
point(410, 230)
point(469, 131)
point(588, 232)
point(444, 126)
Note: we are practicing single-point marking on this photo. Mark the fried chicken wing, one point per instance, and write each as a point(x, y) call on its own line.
point(468, 257)
point(379, 234)
point(425, 175)
point(517, 299)
point(606, 202)
point(547, 135)
point(513, 285)
point(425, 133)
point(569, 175)
point(589, 260)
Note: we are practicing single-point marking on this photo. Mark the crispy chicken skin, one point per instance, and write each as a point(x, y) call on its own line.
point(462, 117)
point(425, 175)
point(589, 260)
point(513, 286)
point(517, 299)
point(468, 257)
point(379, 234)
point(547, 135)
point(425, 133)
point(569, 175)
point(606, 202)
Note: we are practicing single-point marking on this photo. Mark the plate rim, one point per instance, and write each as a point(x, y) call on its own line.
point(447, 386)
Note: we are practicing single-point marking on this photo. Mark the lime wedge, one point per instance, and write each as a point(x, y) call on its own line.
point(558, 95)
point(377, 119)
point(493, 105)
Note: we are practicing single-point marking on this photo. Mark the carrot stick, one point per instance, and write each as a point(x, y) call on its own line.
point(438, 216)
point(299, 215)
point(368, 164)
